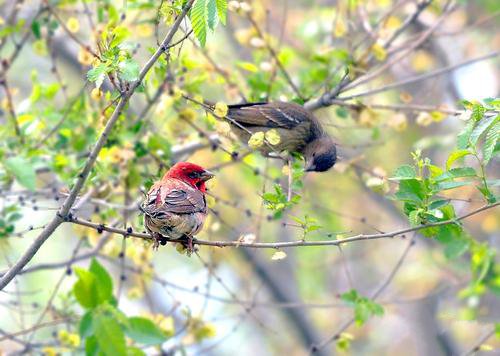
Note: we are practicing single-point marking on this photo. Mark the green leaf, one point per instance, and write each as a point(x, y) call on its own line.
point(481, 128)
point(463, 136)
point(438, 203)
point(456, 155)
point(297, 220)
point(248, 66)
point(482, 258)
point(271, 197)
point(222, 10)
point(91, 347)
point(410, 190)
point(98, 74)
point(351, 297)
point(135, 351)
point(462, 172)
point(492, 103)
point(414, 218)
point(85, 327)
point(404, 172)
point(119, 34)
point(450, 185)
point(457, 173)
point(129, 70)
point(361, 313)
point(23, 170)
point(343, 343)
point(85, 289)
point(490, 142)
point(478, 111)
point(364, 308)
point(110, 336)
point(198, 17)
point(103, 280)
point(144, 331)
point(452, 236)
point(212, 14)
point(35, 27)
point(435, 171)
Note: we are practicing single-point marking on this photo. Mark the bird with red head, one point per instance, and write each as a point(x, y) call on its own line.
point(175, 207)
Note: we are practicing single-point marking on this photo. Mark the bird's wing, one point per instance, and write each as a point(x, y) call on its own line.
point(164, 198)
point(273, 115)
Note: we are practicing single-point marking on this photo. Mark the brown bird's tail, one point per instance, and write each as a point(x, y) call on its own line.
point(210, 106)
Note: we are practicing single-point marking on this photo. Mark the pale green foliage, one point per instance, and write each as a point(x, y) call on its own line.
point(103, 327)
point(364, 308)
point(205, 15)
point(420, 185)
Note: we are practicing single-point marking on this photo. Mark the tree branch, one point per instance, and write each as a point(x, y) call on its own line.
point(82, 177)
point(277, 245)
point(418, 78)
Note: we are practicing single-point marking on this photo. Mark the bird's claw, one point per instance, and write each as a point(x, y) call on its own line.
point(189, 246)
point(159, 240)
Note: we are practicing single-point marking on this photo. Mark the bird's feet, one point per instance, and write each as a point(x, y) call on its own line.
point(159, 239)
point(188, 244)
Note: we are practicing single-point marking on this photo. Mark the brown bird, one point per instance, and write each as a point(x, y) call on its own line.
point(175, 206)
point(299, 131)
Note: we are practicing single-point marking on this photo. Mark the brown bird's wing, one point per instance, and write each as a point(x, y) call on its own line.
point(272, 115)
point(176, 198)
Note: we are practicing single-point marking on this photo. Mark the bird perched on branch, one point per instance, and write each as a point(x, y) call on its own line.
point(175, 206)
point(298, 129)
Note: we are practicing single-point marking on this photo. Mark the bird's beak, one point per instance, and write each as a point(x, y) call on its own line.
point(310, 167)
point(206, 175)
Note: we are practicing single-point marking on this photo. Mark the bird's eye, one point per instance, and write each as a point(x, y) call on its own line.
point(193, 175)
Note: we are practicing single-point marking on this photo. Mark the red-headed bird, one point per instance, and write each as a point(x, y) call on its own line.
point(175, 206)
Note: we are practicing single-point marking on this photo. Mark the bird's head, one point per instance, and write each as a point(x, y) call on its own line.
point(190, 173)
point(320, 155)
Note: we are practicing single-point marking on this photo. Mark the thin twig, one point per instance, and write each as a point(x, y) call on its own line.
point(421, 77)
point(477, 345)
point(277, 245)
point(374, 296)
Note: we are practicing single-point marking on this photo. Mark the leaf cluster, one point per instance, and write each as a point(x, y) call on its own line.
point(103, 326)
